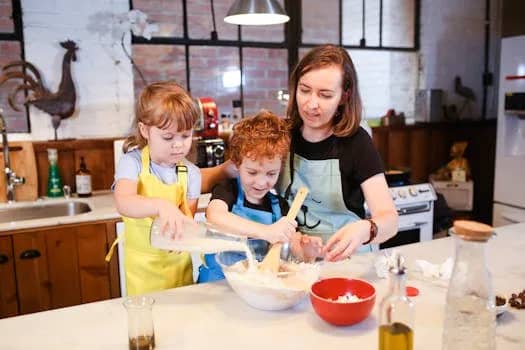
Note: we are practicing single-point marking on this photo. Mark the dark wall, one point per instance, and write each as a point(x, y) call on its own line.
point(513, 22)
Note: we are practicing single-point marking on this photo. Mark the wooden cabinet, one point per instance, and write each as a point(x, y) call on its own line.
point(63, 266)
point(424, 148)
point(8, 301)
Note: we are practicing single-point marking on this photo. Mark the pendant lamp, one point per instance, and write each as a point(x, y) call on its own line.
point(256, 12)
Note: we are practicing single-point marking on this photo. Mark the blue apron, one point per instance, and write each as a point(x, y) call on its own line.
point(211, 271)
point(324, 210)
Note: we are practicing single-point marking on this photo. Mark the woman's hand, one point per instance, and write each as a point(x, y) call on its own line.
point(347, 240)
point(172, 220)
point(280, 231)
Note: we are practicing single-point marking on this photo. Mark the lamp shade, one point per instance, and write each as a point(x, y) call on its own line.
point(256, 12)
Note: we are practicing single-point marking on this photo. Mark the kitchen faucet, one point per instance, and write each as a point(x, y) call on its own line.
point(11, 180)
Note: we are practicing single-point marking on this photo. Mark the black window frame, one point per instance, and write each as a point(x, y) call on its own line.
point(292, 39)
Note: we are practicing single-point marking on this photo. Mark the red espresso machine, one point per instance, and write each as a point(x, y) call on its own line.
point(209, 147)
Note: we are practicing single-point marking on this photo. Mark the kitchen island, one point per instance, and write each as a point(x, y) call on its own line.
point(211, 316)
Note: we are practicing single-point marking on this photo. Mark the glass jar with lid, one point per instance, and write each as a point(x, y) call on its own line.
point(470, 317)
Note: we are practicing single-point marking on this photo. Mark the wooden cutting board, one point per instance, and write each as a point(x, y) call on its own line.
point(23, 163)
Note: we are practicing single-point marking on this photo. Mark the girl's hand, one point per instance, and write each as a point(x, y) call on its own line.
point(172, 220)
point(280, 231)
point(347, 240)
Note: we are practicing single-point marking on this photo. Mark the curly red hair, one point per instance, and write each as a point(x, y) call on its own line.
point(264, 135)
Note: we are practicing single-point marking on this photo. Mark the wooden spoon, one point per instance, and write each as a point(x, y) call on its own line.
point(272, 259)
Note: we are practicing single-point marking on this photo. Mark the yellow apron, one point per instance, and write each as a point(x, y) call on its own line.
point(149, 269)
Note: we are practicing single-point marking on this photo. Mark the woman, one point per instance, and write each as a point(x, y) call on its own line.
point(333, 156)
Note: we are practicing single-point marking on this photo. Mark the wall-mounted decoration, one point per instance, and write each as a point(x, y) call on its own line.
point(60, 104)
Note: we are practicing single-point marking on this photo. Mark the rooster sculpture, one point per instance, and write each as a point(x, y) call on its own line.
point(61, 104)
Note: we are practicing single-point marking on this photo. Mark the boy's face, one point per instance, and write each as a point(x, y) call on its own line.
point(258, 177)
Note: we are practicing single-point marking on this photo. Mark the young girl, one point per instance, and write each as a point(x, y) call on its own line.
point(245, 205)
point(153, 178)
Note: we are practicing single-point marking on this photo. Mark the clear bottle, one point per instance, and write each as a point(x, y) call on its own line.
point(54, 182)
point(470, 317)
point(396, 312)
point(83, 180)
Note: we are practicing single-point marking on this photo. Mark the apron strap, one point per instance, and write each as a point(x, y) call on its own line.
point(182, 177)
point(109, 255)
point(291, 166)
point(240, 193)
point(144, 156)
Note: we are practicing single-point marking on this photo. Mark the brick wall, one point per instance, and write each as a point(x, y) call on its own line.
point(451, 43)
point(102, 73)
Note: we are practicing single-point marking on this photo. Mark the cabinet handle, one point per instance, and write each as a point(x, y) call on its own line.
point(30, 254)
point(3, 259)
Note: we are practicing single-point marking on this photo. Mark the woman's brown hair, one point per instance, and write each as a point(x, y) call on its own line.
point(348, 116)
point(264, 135)
point(160, 104)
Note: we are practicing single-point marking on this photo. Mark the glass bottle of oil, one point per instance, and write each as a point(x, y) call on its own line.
point(396, 318)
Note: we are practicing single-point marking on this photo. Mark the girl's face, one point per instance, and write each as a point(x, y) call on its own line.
point(258, 177)
point(318, 95)
point(167, 146)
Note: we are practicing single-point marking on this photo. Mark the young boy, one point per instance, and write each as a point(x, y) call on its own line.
point(245, 205)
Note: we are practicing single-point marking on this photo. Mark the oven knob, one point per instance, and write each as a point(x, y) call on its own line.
point(402, 193)
point(412, 191)
point(393, 193)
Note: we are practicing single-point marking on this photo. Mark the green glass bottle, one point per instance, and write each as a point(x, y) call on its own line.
point(54, 182)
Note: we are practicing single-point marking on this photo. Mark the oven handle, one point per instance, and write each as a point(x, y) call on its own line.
point(413, 226)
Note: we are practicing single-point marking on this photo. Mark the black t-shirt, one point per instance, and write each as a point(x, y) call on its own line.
point(358, 161)
point(227, 191)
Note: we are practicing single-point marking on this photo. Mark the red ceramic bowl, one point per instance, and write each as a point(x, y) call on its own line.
point(324, 295)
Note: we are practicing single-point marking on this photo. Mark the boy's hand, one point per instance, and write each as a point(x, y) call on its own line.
point(280, 231)
point(172, 220)
point(306, 248)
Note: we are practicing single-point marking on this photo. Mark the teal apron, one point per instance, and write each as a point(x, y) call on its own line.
point(324, 210)
point(210, 270)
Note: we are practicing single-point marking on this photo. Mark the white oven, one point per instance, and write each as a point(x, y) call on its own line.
point(415, 207)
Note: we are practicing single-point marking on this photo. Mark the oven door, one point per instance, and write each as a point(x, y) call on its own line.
point(415, 225)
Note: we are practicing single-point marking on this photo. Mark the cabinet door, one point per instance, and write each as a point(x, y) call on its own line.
point(8, 301)
point(94, 272)
point(32, 278)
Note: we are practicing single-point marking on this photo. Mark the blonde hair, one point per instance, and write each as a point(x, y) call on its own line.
point(264, 135)
point(348, 115)
point(161, 104)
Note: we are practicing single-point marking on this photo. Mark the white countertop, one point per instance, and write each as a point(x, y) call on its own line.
point(211, 316)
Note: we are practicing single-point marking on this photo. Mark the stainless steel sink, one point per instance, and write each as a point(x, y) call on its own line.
point(42, 211)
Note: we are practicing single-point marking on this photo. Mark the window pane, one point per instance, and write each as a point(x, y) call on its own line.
point(16, 121)
point(272, 33)
point(320, 21)
point(167, 14)
point(215, 72)
point(398, 23)
point(159, 62)
point(352, 22)
point(265, 72)
point(6, 22)
point(200, 22)
point(387, 79)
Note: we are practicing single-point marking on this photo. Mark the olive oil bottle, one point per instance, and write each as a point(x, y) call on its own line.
point(396, 316)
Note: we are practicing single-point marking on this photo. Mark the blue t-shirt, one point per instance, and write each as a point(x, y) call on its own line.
point(130, 164)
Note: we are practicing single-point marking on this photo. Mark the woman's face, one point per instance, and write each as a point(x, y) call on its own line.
point(318, 95)
point(167, 146)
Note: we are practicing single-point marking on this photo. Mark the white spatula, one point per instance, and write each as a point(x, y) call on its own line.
point(272, 259)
